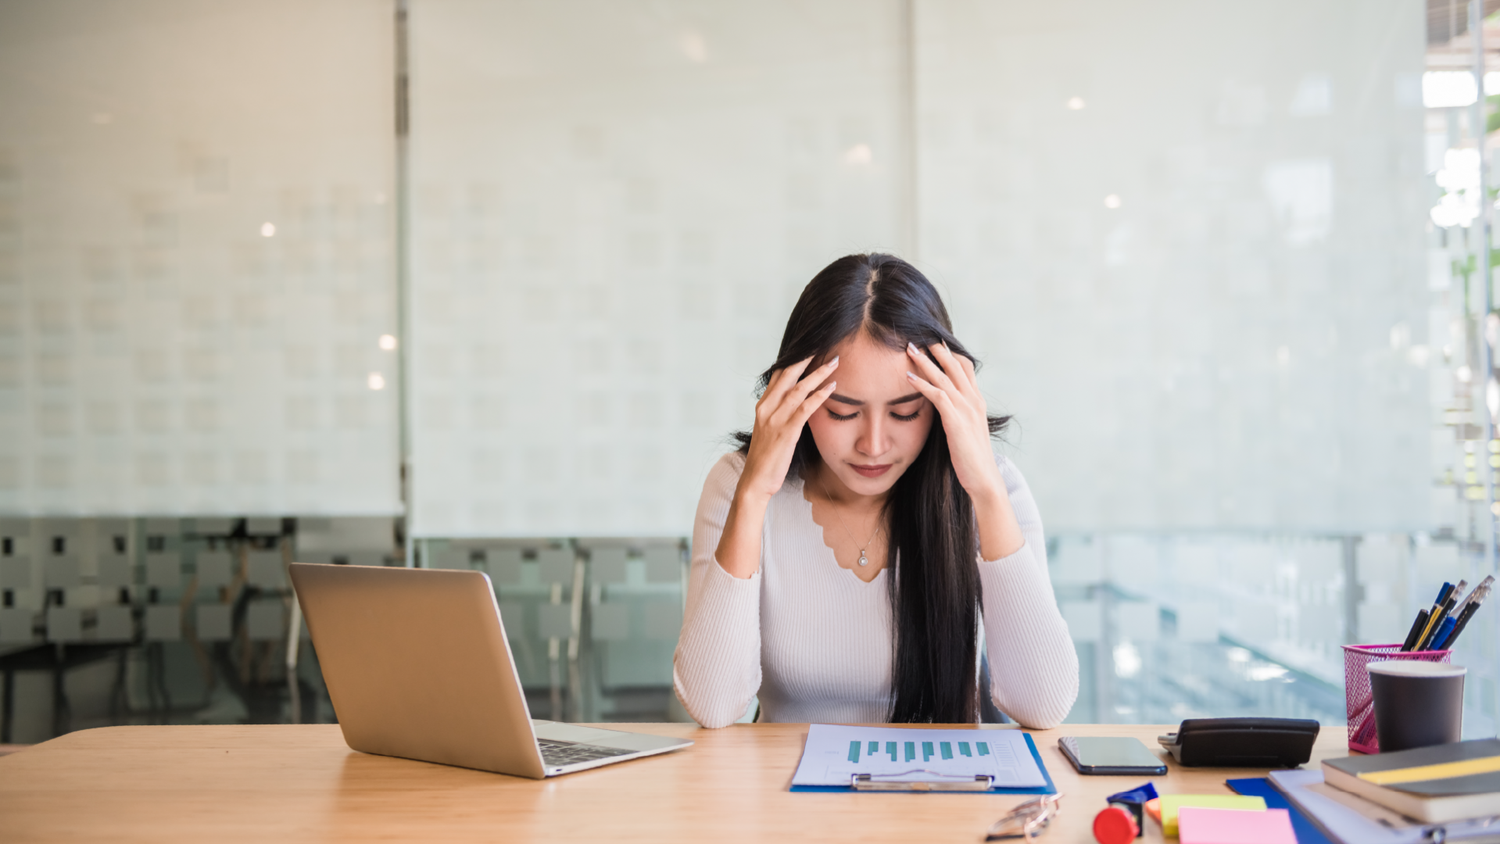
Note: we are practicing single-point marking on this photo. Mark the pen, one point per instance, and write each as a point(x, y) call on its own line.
point(1443, 634)
point(1416, 629)
point(1463, 619)
point(1462, 610)
point(1453, 596)
point(1444, 639)
point(1427, 624)
point(1482, 589)
point(1434, 617)
point(1434, 624)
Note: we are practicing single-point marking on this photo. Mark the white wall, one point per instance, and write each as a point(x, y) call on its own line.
point(157, 353)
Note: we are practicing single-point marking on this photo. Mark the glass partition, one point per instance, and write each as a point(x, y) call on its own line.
point(614, 206)
point(197, 265)
point(196, 259)
point(1222, 263)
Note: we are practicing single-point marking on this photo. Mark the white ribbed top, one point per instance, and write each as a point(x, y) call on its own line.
point(815, 642)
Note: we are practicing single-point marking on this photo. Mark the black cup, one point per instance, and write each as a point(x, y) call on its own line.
point(1417, 703)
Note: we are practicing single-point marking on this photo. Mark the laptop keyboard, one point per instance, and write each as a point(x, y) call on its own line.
point(559, 753)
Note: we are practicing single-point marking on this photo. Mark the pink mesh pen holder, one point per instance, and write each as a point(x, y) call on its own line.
point(1357, 695)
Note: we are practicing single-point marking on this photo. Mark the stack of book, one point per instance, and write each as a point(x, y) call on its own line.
point(1451, 791)
point(1438, 784)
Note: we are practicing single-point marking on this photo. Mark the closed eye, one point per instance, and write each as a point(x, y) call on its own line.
point(907, 418)
point(840, 416)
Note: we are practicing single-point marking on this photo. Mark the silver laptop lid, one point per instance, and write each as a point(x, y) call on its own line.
point(418, 666)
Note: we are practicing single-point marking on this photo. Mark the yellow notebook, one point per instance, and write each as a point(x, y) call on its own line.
point(1170, 803)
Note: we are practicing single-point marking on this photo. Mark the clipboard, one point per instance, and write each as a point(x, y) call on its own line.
point(979, 785)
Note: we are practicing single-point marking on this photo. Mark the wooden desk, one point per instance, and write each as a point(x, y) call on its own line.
point(302, 783)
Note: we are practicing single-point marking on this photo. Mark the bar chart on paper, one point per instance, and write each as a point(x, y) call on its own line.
point(834, 754)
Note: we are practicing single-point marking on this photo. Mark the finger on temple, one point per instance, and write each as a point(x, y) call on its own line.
point(929, 367)
point(952, 367)
point(773, 381)
point(965, 366)
point(944, 355)
point(821, 394)
point(814, 380)
point(786, 378)
point(924, 386)
point(815, 401)
point(934, 393)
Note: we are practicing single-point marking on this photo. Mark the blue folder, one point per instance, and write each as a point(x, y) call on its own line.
point(1307, 832)
point(1049, 788)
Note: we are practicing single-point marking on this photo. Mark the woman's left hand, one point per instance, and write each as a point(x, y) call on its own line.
point(954, 391)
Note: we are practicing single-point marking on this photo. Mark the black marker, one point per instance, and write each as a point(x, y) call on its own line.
point(1416, 630)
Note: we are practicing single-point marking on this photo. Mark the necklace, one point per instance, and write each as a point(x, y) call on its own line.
point(863, 560)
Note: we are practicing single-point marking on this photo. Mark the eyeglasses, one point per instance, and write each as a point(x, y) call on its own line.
point(1027, 821)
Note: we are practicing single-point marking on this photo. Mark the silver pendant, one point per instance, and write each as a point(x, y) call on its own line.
point(862, 561)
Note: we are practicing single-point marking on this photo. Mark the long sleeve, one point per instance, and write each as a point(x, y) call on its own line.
point(716, 669)
point(1033, 665)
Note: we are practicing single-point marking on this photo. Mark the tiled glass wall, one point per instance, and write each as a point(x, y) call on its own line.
point(1193, 264)
point(592, 623)
point(614, 206)
point(121, 621)
point(196, 259)
point(1191, 243)
point(1197, 625)
point(190, 623)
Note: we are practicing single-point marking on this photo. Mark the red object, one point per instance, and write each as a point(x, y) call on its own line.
point(1115, 826)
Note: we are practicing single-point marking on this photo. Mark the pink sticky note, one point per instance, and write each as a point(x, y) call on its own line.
point(1197, 825)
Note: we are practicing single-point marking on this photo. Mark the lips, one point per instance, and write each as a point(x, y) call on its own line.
point(874, 471)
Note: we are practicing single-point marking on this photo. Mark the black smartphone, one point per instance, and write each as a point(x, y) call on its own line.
point(1109, 755)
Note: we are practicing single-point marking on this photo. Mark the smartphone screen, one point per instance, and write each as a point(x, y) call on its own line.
point(1111, 755)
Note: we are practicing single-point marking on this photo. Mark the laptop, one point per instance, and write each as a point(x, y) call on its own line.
point(418, 666)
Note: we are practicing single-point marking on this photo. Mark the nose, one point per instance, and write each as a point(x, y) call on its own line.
point(873, 438)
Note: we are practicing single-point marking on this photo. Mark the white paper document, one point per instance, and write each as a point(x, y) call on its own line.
point(834, 754)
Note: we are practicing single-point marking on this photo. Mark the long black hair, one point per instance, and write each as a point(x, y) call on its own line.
point(933, 539)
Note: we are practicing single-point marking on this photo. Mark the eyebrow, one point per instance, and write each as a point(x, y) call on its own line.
point(857, 403)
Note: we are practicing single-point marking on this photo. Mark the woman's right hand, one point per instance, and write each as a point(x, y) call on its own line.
point(784, 408)
point(786, 405)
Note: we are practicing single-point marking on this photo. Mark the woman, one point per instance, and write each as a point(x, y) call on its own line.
point(848, 556)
